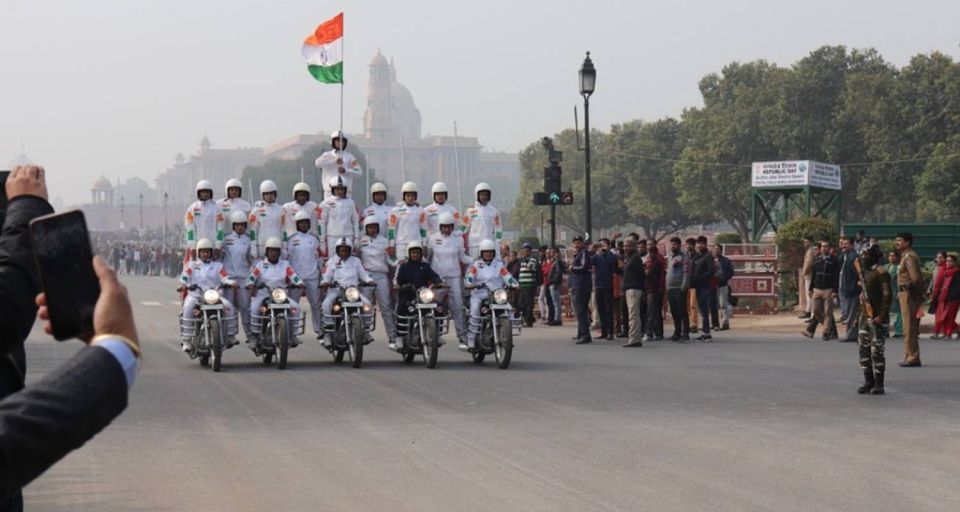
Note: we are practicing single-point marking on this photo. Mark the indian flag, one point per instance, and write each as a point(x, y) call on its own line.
point(323, 50)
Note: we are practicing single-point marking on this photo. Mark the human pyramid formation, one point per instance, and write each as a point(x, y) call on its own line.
point(315, 246)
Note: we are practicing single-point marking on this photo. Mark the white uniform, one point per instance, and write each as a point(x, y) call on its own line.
point(446, 254)
point(338, 219)
point(228, 206)
point(482, 222)
point(290, 210)
point(327, 163)
point(374, 258)
point(203, 220)
point(236, 261)
point(407, 224)
point(273, 275)
point(338, 272)
point(495, 276)
point(382, 211)
point(266, 221)
point(432, 213)
point(303, 253)
point(206, 276)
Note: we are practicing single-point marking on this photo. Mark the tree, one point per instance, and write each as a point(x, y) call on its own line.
point(938, 188)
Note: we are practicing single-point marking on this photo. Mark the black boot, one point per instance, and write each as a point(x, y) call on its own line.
point(878, 384)
point(868, 383)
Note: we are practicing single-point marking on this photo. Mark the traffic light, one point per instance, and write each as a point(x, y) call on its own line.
point(551, 178)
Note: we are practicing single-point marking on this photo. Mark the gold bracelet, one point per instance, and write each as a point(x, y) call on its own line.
point(127, 341)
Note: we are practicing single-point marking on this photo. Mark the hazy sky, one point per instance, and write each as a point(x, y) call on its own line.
point(119, 87)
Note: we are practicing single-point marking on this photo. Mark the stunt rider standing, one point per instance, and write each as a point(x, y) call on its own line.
point(303, 253)
point(447, 257)
point(338, 162)
point(266, 219)
point(203, 219)
point(482, 222)
point(236, 261)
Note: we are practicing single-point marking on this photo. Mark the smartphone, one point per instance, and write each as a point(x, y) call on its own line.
point(3, 197)
point(64, 259)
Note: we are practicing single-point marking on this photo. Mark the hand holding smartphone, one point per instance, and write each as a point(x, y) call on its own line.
point(64, 259)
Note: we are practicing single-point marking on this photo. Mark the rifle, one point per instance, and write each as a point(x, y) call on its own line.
point(865, 299)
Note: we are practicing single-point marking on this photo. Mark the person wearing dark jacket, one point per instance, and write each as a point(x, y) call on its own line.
point(412, 274)
point(655, 278)
point(701, 279)
point(39, 425)
point(824, 281)
point(849, 291)
point(604, 266)
point(633, 286)
point(724, 275)
point(555, 279)
point(678, 282)
point(580, 281)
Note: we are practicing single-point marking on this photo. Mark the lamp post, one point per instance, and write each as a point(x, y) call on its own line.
point(165, 198)
point(588, 81)
point(122, 226)
point(141, 212)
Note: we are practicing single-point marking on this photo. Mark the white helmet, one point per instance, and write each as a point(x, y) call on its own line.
point(372, 220)
point(378, 187)
point(301, 215)
point(408, 186)
point(414, 245)
point(273, 243)
point(204, 185)
point(232, 183)
point(336, 136)
point(439, 188)
point(267, 186)
point(337, 181)
point(301, 187)
point(487, 245)
point(445, 218)
point(481, 187)
point(343, 242)
point(204, 243)
point(238, 217)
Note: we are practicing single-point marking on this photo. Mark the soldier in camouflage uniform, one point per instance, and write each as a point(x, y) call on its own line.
point(876, 298)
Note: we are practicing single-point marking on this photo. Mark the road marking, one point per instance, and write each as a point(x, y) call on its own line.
point(150, 303)
point(175, 302)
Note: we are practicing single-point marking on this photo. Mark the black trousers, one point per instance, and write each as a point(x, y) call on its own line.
point(528, 297)
point(605, 310)
point(714, 309)
point(654, 315)
point(581, 308)
point(551, 308)
point(677, 298)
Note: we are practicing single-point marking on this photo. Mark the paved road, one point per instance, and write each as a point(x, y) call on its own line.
point(750, 422)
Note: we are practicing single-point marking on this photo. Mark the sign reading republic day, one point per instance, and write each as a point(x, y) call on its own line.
point(795, 173)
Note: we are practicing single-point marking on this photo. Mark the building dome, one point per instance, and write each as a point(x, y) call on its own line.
point(378, 60)
point(102, 183)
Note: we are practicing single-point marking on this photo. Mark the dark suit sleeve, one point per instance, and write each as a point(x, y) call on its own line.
point(18, 275)
point(46, 421)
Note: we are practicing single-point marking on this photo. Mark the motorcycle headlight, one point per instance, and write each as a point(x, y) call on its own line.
point(279, 295)
point(211, 296)
point(500, 296)
point(426, 295)
point(353, 294)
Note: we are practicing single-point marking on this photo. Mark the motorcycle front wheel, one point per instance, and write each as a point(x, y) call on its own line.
point(430, 344)
point(282, 345)
point(216, 348)
point(356, 346)
point(504, 349)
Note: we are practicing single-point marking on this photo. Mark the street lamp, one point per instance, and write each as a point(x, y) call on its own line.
point(141, 212)
point(588, 81)
point(165, 198)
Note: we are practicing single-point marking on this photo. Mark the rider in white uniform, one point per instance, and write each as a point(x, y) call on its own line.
point(203, 219)
point(486, 270)
point(303, 253)
point(378, 207)
point(338, 217)
point(438, 207)
point(273, 272)
point(206, 274)
point(231, 203)
point(266, 219)
point(482, 222)
point(236, 261)
point(301, 203)
point(407, 222)
point(338, 162)
point(447, 257)
point(373, 256)
point(342, 270)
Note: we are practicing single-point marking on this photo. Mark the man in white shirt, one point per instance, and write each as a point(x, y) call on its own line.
point(338, 162)
point(373, 256)
point(232, 202)
point(378, 207)
point(447, 257)
point(338, 217)
point(266, 219)
point(482, 222)
point(236, 261)
point(438, 207)
point(303, 252)
point(206, 274)
point(202, 219)
point(301, 202)
point(342, 270)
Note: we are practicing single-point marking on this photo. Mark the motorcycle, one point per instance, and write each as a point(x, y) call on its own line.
point(346, 328)
point(276, 326)
point(422, 325)
point(497, 329)
point(208, 328)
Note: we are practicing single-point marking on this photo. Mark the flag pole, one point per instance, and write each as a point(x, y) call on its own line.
point(343, 54)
